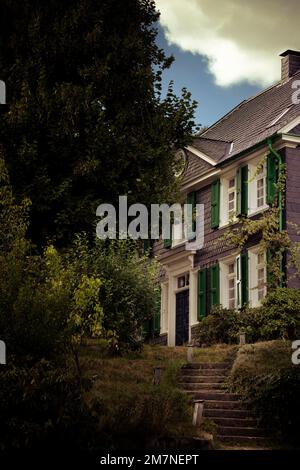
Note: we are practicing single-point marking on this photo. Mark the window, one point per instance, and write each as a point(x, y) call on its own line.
point(183, 281)
point(258, 276)
point(260, 188)
point(261, 276)
point(231, 286)
point(228, 198)
point(257, 186)
point(178, 234)
point(228, 283)
point(231, 198)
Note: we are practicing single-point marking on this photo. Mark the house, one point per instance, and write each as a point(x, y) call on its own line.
point(220, 171)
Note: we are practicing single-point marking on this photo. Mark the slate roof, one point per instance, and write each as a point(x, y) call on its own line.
point(250, 123)
point(195, 166)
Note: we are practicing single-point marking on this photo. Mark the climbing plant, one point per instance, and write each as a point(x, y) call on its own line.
point(274, 240)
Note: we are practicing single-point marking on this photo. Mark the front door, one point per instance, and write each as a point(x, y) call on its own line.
point(182, 317)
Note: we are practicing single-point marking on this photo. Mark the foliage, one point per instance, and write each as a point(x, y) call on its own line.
point(114, 406)
point(128, 291)
point(273, 241)
point(42, 407)
point(218, 327)
point(86, 121)
point(264, 376)
point(135, 413)
point(280, 314)
point(278, 317)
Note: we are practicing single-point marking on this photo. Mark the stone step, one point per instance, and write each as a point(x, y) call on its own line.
point(244, 440)
point(202, 372)
point(200, 386)
point(207, 365)
point(235, 422)
point(241, 431)
point(212, 395)
point(213, 413)
point(202, 378)
point(224, 405)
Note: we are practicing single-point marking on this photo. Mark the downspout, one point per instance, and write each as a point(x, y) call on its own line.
point(280, 164)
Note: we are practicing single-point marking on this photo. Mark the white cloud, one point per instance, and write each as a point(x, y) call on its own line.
point(240, 39)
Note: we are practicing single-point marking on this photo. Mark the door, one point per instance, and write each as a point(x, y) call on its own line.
point(182, 317)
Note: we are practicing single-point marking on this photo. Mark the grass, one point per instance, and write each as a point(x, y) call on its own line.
point(131, 404)
point(263, 358)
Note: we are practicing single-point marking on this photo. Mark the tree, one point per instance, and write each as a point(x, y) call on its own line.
point(86, 121)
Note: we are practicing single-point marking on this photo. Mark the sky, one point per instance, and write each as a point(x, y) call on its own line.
point(225, 50)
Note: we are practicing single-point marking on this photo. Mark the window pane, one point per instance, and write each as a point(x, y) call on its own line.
point(231, 268)
point(260, 192)
point(232, 183)
point(181, 282)
point(260, 258)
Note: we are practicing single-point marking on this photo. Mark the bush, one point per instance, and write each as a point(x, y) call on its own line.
point(42, 406)
point(129, 288)
point(280, 314)
point(264, 376)
point(278, 317)
point(219, 327)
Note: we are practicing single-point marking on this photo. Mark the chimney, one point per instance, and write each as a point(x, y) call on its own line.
point(290, 64)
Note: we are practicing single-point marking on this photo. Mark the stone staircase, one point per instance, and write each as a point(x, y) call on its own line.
point(234, 423)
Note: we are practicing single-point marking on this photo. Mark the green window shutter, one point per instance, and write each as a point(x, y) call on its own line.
point(271, 179)
point(191, 228)
point(244, 279)
point(201, 293)
point(156, 323)
point(146, 328)
point(242, 191)
point(215, 284)
point(168, 241)
point(215, 204)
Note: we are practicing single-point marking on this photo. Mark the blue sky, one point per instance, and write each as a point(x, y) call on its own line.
point(226, 50)
point(191, 71)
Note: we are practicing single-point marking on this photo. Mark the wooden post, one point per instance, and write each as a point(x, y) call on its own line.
point(198, 412)
point(242, 339)
point(157, 375)
point(190, 352)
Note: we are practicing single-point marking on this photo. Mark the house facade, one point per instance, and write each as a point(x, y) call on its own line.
point(231, 169)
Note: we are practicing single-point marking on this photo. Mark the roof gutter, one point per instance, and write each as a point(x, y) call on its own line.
point(248, 150)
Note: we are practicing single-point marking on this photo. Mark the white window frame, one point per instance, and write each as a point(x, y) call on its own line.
point(253, 276)
point(238, 281)
point(224, 198)
point(225, 277)
point(181, 230)
point(253, 186)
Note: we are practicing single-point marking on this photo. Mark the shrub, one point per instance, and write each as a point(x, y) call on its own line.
point(280, 314)
point(42, 406)
point(278, 317)
point(129, 288)
point(218, 327)
point(264, 376)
